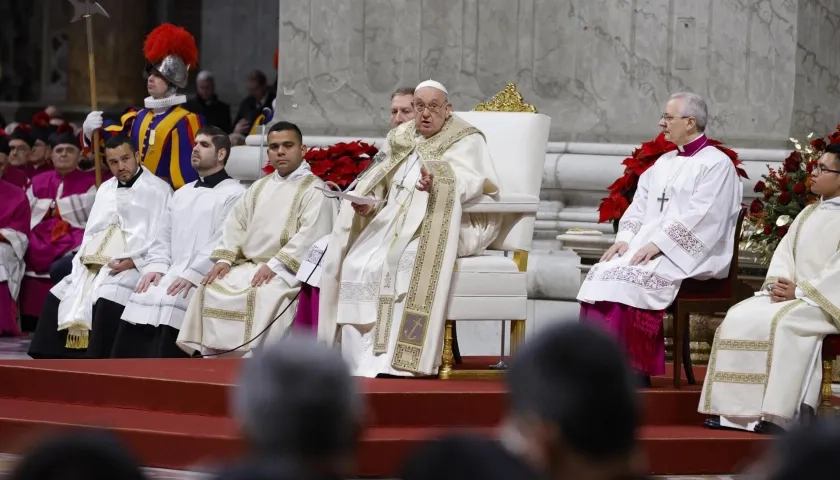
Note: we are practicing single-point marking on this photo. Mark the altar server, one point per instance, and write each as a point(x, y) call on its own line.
point(680, 225)
point(252, 286)
point(766, 361)
point(14, 232)
point(387, 271)
point(111, 259)
point(180, 255)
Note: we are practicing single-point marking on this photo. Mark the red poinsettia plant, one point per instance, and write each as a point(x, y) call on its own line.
point(785, 191)
point(623, 189)
point(340, 163)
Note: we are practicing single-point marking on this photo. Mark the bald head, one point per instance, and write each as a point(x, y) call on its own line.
point(297, 398)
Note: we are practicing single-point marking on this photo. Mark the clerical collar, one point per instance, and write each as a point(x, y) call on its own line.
point(692, 147)
point(830, 204)
point(302, 171)
point(210, 181)
point(163, 103)
point(131, 182)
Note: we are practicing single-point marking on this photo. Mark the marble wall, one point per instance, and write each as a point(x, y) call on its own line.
point(600, 68)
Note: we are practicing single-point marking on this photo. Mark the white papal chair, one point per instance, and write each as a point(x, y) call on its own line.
point(493, 286)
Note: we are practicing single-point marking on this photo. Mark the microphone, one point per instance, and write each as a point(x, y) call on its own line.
point(379, 157)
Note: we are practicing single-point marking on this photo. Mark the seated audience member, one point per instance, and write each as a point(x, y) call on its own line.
point(110, 260)
point(250, 290)
point(402, 111)
point(681, 224)
point(60, 200)
point(14, 238)
point(207, 104)
point(562, 422)
point(765, 368)
point(299, 410)
point(9, 173)
point(388, 320)
point(79, 456)
point(40, 159)
point(259, 98)
point(179, 257)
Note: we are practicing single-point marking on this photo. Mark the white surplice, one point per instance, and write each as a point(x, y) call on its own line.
point(359, 304)
point(12, 253)
point(694, 228)
point(189, 231)
point(122, 224)
point(274, 223)
point(766, 357)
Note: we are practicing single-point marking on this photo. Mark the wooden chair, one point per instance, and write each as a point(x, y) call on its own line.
point(702, 296)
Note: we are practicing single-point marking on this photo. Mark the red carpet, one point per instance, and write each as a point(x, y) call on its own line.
point(174, 414)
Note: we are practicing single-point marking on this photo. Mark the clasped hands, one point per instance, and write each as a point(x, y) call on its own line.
point(782, 290)
point(642, 256)
point(153, 278)
point(427, 178)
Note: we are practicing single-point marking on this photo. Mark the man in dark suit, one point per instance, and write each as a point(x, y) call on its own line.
point(205, 102)
point(259, 97)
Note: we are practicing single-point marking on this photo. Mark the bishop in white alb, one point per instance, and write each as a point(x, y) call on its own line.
point(687, 205)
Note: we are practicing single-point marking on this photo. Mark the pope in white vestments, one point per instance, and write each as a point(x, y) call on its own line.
point(387, 270)
point(681, 224)
point(179, 258)
point(766, 356)
point(111, 258)
point(248, 297)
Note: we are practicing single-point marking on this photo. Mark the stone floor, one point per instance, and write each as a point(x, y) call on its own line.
point(13, 348)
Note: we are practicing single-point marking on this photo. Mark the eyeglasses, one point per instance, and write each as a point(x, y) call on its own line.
point(819, 169)
point(419, 108)
point(669, 118)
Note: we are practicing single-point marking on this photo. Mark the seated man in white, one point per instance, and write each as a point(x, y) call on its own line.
point(247, 297)
point(766, 357)
point(179, 258)
point(387, 270)
point(110, 260)
point(681, 224)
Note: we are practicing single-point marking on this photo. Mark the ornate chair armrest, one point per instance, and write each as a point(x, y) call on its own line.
point(514, 203)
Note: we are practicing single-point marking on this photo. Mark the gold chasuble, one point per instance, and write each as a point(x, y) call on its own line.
point(765, 360)
point(385, 279)
point(274, 223)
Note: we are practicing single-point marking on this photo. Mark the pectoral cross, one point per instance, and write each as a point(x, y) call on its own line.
point(662, 201)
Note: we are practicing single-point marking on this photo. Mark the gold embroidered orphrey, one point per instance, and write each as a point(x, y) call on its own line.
point(434, 234)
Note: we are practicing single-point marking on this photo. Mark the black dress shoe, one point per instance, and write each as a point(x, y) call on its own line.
point(768, 428)
point(713, 423)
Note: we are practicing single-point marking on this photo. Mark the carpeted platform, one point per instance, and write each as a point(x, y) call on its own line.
point(174, 414)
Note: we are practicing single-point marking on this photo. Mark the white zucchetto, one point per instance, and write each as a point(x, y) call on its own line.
point(432, 84)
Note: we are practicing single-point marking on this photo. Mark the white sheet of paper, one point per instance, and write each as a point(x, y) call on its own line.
point(346, 196)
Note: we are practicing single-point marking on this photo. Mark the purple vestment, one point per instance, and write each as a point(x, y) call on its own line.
point(14, 215)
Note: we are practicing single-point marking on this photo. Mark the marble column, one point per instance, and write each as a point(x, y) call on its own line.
point(118, 46)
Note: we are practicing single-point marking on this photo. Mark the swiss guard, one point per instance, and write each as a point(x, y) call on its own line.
point(162, 132)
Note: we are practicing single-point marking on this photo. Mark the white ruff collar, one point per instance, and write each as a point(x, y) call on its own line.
point(157, 103)
point(302, 171)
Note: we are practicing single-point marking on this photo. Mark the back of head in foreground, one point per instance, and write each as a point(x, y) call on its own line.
point(806, 452)
point(574, 409)
point(78, 456)
point(295, 399)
